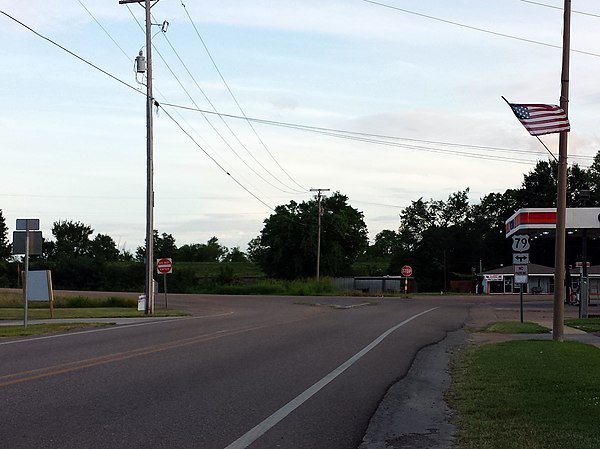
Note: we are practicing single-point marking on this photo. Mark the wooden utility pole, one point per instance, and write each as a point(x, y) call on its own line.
point(561, 199)
point(149, 284)
point(320, 213)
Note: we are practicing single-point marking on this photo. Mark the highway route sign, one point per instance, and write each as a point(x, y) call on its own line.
point(520, 243)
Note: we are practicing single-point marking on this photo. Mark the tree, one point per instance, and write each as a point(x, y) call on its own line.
point(287, 245)
point(163, 246)
point(5, 250)
point(71, 239)
point(235, 255)
point(104, 249)
point(211, 251)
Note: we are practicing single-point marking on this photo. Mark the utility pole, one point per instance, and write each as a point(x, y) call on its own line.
point(561, 200)
point(320, 213)
point(148, 286)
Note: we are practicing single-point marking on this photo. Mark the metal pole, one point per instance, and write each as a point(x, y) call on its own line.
point(25, 281)
point(561, 200)
point(583, 285)
point(165, 285)
point(521, 300)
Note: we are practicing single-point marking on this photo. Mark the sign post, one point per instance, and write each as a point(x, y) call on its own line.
point(164, 266)
point(29, 244)
point(521, 263)
point(406, 271)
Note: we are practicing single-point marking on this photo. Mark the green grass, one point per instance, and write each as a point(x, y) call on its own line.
point(516, 327)
point(37, 329)
point(93, 312)
point(585, 324)
point(527, 395)
point(278, 287)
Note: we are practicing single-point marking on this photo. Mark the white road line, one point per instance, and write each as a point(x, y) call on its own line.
point(118, 327)
point(255, 433)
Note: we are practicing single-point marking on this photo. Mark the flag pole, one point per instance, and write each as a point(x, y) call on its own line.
point(561, 191)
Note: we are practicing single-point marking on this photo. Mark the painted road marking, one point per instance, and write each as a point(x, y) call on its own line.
point(255, 433)
point(104, 329)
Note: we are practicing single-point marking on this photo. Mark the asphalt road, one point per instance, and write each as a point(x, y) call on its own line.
point(258, 372)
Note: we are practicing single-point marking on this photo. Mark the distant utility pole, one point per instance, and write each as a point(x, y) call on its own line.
point(319, 232)
point(149, 285)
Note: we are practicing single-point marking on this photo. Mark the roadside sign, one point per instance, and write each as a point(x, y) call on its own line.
point(521, 270)
point(520, 243)
point(164, 265)
point(520, 258)
point(521, 279)
point(406, 271)
point(25, 224)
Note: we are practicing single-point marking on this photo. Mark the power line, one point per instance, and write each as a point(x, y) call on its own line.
point(482, 30)
point(137, 91)
point(560, 8)
point(85, 61)
point(226, 124)
point(380, 139)
point(204, 116)
point(235, 99)
point(211, 158)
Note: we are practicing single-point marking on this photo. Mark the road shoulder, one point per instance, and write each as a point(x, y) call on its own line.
point(413, 412)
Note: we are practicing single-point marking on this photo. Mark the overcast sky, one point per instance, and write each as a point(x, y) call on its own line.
point(73, 140)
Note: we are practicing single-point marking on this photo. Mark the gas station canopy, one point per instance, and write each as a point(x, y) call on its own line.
point(526, 221)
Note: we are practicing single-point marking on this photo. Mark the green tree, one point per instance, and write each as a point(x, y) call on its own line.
point(72, 238)
point(211, 251)
point(103, 249)
point(235, 255)
point(287, 245)
point(163, 246)
point(5, 250)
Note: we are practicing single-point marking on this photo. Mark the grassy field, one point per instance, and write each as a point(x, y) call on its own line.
point(527, 395)
point(93, 312)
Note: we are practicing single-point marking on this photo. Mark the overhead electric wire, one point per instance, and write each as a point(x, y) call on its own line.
point(213, 159)
point(373, 138)
point(235, 99)
point(560, 8)
point(227, 124)
point(85, 61)
point(482, 30)
point(135, 90)
point(204, 116)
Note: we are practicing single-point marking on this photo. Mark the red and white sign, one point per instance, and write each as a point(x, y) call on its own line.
point(406, 271)
point(164, 265)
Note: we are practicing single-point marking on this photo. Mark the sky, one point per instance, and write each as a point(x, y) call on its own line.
point(428, 75)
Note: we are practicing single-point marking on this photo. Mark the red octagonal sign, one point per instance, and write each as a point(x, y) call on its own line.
point(164, 265)
point(406, 271)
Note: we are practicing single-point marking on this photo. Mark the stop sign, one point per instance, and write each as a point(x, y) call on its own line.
point(164, 265)
point(406, 271)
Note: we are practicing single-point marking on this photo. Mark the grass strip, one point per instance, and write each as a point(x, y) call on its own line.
point(516, 327)
point(92, 312)
point(37, 329)
point(585, 324)
point(527, 394)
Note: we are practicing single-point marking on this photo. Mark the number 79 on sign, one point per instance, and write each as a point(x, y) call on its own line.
point(520, 243)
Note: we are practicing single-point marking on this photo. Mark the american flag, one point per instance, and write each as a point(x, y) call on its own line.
point(541, 119)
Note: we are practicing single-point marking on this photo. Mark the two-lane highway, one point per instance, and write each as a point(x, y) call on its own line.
point(258, 372)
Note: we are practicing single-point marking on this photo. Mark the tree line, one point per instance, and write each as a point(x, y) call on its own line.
point(442, 240)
